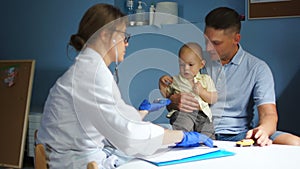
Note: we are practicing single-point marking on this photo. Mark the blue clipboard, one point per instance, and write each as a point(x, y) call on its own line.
point(211, 155)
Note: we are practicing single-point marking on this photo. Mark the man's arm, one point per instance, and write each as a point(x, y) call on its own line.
point(267, 124)
point(268, 118)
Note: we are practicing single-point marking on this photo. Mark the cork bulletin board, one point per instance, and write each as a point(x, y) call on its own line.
point(16, 78)
point(260, 9)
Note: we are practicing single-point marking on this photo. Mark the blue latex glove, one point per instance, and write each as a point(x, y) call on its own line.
point(162, 101)
point(194, 139)
point(146, 105)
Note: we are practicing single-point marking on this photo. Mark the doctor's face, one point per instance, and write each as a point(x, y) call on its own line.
point(120, 42)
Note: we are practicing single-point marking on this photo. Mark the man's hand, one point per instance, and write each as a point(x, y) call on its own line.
point(260, 136)
point(267, 125)
point(184, 102)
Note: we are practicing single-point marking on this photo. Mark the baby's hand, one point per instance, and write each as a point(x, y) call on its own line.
point(166, 80)
point(197, 88)
point(164, 83)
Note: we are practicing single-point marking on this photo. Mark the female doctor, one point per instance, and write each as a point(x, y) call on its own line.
point(84, 108)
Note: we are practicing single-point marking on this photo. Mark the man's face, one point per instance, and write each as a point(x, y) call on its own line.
point(221, 44)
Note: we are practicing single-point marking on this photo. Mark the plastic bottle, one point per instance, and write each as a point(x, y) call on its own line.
point(140, 14)
point(130, 7)
point(130, 11)
point(151, 14)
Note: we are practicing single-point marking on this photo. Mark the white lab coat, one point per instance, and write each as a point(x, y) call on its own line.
point(83, 108)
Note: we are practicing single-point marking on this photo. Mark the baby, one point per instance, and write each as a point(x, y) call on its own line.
point(190, 80)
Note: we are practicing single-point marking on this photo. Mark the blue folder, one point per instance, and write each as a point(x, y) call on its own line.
point(211, 155)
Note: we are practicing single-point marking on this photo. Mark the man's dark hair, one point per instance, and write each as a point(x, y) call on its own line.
point(223, 18)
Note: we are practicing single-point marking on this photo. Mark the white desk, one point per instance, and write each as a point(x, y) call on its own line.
point(271, 157)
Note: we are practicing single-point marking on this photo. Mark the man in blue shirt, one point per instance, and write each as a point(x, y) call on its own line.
point(242, 81)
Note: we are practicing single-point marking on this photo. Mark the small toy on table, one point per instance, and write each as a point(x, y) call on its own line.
point(245, 143)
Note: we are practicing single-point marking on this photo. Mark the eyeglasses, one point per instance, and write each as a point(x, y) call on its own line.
point(126, 36)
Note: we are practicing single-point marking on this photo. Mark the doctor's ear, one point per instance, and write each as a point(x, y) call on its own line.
point(106, 35)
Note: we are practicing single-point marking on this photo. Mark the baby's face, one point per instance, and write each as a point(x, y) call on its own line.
point(189, 64)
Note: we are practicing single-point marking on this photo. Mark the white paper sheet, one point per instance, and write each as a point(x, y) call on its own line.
point(178, 153)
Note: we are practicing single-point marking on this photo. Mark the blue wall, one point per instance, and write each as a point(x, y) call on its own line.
point(40, 30)
point(275, 41)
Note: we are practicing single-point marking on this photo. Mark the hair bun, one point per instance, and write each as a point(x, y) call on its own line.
point(77, 42)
